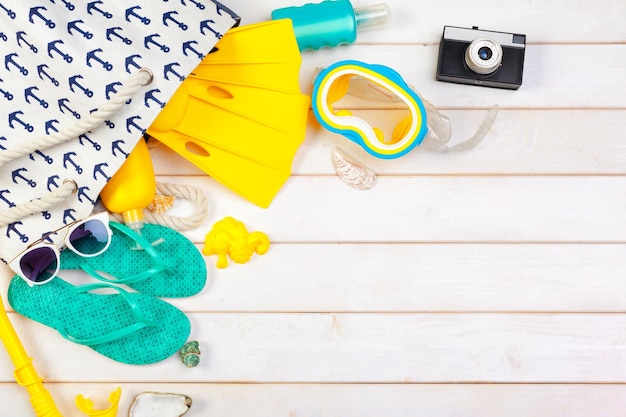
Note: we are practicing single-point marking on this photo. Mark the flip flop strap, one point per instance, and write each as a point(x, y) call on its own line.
point(160, 264)
point(141, 241)
point(142, 321)
point(127, 280)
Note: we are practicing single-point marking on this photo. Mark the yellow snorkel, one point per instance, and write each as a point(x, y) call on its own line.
point(25, 373)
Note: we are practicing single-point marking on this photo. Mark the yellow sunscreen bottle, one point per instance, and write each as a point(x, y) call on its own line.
point(132, 188)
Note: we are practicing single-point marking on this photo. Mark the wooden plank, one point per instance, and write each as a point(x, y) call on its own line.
point(310, 400)
point(420, 278)
point(411, 278)
point(552, 76)
point(429, 209)
point(362, 348)
point(587, 21)
point(520, 142)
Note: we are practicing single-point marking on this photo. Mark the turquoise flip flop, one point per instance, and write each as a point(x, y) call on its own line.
point(172, 269)
point(131, 328)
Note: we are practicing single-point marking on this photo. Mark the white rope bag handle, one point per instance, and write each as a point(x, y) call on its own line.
point(138, 80)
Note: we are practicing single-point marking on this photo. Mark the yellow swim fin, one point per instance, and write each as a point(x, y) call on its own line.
point(240, 115)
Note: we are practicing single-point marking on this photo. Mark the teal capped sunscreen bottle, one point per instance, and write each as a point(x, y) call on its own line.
point(331, 22)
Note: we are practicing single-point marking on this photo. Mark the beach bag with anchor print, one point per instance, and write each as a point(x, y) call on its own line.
point(80, 82)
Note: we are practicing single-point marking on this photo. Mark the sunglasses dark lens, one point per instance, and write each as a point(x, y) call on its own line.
point(39, 265)
point(90, 237)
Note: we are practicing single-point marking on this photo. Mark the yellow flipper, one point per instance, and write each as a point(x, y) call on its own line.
point(240, 115)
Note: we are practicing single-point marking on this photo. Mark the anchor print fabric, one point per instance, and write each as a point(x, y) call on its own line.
point(62, 59)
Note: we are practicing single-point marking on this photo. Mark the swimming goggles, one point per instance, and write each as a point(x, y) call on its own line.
point(332, 83)
point(39, 262)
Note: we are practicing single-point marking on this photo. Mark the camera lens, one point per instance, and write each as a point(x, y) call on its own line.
point(485, 53)
point(483, 56)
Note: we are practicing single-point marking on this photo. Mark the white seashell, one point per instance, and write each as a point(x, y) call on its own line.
point(156, 404)
point(351, 171)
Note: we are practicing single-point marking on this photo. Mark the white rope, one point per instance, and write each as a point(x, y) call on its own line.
point(139, 79)
point(46, 202)
point(187, 192)
point(38, 205)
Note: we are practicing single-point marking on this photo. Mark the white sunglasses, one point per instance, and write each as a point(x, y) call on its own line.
point(39, 262)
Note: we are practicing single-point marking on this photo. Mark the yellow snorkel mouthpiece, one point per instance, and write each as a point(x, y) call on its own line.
point(332, 84)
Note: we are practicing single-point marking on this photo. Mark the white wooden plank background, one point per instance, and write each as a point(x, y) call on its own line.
point(479, 283)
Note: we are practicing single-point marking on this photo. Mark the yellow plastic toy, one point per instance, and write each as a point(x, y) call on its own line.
point(25, 373)
point(240, 115)
point(85, 405)
point(230, 237)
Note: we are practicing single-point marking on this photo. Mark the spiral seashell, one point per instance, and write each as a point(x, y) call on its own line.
point(161, 203)
point(351, 171)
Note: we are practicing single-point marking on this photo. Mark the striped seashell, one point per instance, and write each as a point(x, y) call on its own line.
point(351, 171)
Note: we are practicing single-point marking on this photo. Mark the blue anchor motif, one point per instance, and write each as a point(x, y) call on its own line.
point(130, 123)
point(73, 26)
point(35, 11)
point(117, 146)
point(13, 118)
point(5, 199)
point(169, 69)
point(110, 90)
point(73, 83)
point(45, 157)
point(69, 6)
point(28, 94)
point(46, 215)
point(167, 17)
point(130, 12)
point(113, 32)
point(16, 175)
point(131, 61)
point(22, 39)
point(91, 56)
point(219, 7)
point(150, 96)
point(50, 126)
point(68, 216)
point(10, 60)
point(148, 40)
point(84, 138)
point(52, 47)
point(41, 71)
point(52, 182)
point(93, 7)
point(12, 229)
point(188, 47)
point(67, 159)
point(8, 11)
point(5, 93)
point(98, 169)
point(63, 107)
point(205, 25)
point(196, 3)
point(82, 195)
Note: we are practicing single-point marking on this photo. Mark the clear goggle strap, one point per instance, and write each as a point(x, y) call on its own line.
point(440, 131)
point(439, 125)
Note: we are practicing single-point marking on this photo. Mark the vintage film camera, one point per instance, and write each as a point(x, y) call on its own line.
point(481, 57)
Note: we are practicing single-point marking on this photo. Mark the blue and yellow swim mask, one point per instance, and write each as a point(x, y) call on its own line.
point(333, 83)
